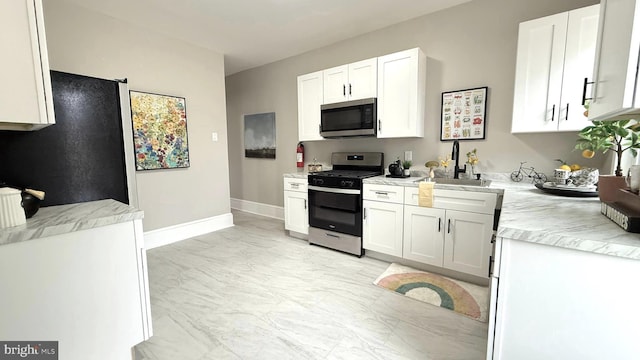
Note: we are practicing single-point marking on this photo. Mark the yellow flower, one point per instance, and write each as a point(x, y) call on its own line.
point(444, 161)
point(472, 157)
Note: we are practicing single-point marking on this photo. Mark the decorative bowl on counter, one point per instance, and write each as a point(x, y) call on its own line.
point(30, 204)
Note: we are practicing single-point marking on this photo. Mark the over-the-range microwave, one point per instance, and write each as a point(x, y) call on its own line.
point(349, 118)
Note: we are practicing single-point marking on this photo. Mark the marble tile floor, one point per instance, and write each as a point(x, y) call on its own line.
point(252, 292)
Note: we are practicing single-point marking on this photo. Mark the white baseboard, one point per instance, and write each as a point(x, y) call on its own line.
point(276, 212)
point(175, 233)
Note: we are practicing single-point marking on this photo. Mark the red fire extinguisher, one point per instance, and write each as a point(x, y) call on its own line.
point(300, 155)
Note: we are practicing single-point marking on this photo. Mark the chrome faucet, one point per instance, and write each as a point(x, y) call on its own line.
point(455, 155)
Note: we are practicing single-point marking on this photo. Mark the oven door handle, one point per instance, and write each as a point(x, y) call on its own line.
point(333, 190)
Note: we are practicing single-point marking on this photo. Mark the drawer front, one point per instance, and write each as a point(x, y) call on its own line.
point(478, 202)
point(386, 193)
point(295, 184)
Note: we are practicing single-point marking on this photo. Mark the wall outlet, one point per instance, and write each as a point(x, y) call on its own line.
point(408, 155)
point(214, 136)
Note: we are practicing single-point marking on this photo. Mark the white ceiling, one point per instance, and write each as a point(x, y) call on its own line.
point(251, 33)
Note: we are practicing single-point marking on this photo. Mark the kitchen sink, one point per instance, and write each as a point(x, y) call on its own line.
point(468, 182)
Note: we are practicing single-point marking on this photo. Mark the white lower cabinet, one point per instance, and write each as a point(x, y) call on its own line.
point(382, 218)
point(423, 234)
point(467, 242)
point(559, 303)
point(296, 211)
point(382, 227)
point(86, 289)
point(455, 234)
point(455, 240)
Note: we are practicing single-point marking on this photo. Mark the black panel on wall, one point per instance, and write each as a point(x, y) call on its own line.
point(80, 158)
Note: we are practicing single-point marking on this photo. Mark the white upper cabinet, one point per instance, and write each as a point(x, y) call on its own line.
point(309, 101)
point(615, 92)
point(25, 92)
point(401, 94)
point(555, 54)
point(397, 80)
point(350, 82)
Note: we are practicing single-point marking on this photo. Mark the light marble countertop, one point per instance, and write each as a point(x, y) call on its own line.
point(529, 214)
point(300, 175)
point(62, 219)
point(413, 181)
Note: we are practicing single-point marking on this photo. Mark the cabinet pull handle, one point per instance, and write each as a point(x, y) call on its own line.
point(439, 223)
point(344, 90)
point(294, 185)
point(335, 236)
point(490, 266)
point(349, 89)
point(553, 112)
point(584, 91)
point(449, 227)
point(382, 193)
point(566, 115)
point(305, 204)
point(364, 213)
point(379, 125)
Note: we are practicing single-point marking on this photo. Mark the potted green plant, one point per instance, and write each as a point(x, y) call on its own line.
point(406, 165)
point(618, 136)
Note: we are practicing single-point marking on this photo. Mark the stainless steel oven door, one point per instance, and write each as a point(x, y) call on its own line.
point(338, 210)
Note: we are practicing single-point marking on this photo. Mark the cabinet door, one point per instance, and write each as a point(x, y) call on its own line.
point(538, 80)
point(401, 94)
point(615, 89)
point(296, 213)
point(382, 227)
point(580, 52)
point(335, 84)
point(309, 101)
point(423, 234)
point(25, 92)
point(467, 242)
point(362, 79)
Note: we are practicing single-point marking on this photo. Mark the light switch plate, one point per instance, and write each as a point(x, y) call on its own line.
point(408, 155)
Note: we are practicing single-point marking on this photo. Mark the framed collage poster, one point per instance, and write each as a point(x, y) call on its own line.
point(464, 114)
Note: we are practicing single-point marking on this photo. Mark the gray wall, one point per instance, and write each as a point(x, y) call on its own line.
point(85, 42)
point(467, 46)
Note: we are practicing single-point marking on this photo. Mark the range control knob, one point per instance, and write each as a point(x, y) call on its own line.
point(346, 183)
point(318, 181)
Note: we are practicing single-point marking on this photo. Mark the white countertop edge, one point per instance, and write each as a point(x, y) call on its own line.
point(605, 247)
point(63, 219)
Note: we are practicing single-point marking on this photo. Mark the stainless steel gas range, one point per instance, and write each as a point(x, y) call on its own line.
point(335, 200)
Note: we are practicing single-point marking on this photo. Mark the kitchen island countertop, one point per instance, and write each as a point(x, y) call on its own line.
point(62, 219)
point(529, 214)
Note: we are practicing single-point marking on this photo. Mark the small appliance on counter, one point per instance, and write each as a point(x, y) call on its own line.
point(11, 211)
point(396, 170)
point(27, 200)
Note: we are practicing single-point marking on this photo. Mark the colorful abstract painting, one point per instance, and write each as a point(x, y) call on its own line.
point(159, 131)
